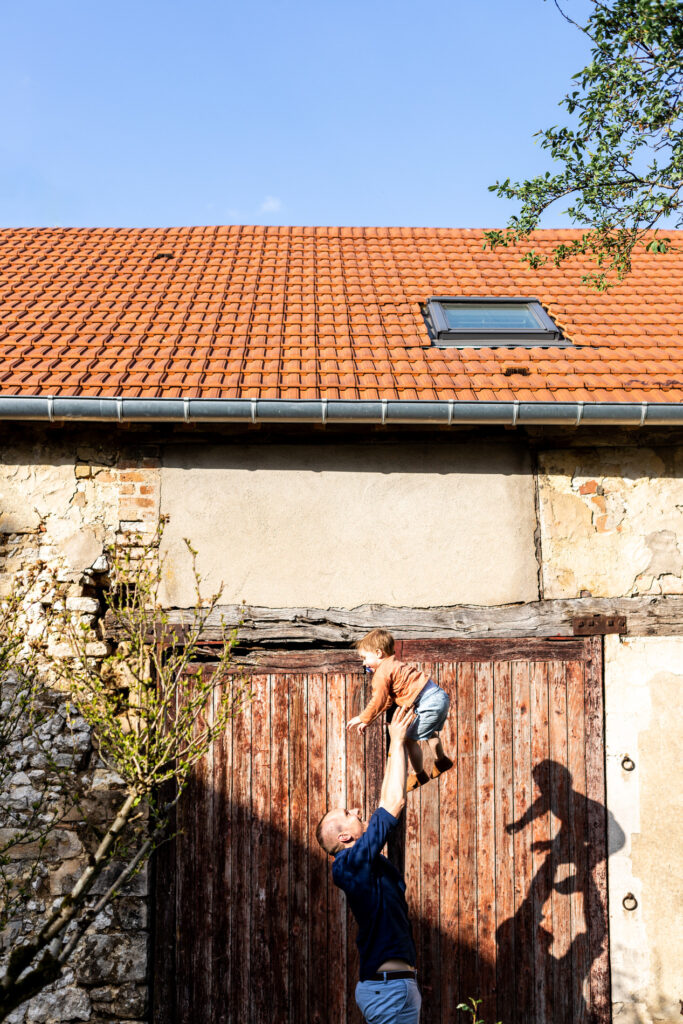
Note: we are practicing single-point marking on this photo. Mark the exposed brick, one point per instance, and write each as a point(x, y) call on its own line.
point(134, 476)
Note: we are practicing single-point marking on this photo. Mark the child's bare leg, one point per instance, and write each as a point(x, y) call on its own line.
point(442, 761)
point(418, 776)
point(415, 754)
point(435, 746)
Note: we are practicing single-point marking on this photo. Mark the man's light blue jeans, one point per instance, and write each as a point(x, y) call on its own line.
point(395, 1001)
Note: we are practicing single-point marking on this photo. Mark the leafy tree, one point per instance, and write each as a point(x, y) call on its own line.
point(151, 712)
point(622, 153)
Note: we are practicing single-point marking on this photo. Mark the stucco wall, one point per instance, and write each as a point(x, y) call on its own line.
point(611, 521)
point(344, 525)
point(644, 720)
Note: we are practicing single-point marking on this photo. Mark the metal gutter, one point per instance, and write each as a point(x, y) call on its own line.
point(385, 411)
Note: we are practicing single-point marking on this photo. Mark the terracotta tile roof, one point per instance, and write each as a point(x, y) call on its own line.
point(244, 312)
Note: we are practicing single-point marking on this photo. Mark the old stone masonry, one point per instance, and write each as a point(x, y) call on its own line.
point(62, 503)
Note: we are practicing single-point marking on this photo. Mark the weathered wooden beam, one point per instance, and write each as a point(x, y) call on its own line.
point(645, 616)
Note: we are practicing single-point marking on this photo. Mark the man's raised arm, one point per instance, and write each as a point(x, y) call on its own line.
point(393, 796)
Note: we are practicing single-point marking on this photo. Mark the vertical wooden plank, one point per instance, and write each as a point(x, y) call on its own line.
point(559, 803)
point(576, 761)
point(374, 765)
point(412, 868)
point(165, 865)
point(597, 835)
point(336, 797)
point(448, 812)
point(467, 834)
point(542, 860)
point(164, 974)
point(195, 887)
point(355, 797)
point(485, 825)
point(279, 901)
point(318, 956)
point(262, 951)
point(427, 927)
point(516, 937)
point(241, 946)
point(504, 843)
point(221, 996)
point(299, 831)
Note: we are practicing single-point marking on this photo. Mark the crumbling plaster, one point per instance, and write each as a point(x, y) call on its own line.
point(644, 722)
point(611, 521)
point(65, 499)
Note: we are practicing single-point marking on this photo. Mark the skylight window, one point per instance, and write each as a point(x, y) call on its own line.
point(466, 322)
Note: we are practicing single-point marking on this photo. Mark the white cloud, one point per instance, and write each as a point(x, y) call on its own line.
point(271, 204)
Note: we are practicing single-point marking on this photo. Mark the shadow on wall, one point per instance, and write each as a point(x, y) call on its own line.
point(249, 927)
point(560, 986)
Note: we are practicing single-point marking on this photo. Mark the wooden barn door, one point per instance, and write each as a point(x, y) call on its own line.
point(504, 857)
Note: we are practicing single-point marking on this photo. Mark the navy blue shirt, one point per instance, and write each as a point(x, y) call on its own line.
point(376, 895)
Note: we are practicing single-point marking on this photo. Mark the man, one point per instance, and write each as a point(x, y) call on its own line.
point(387, 992)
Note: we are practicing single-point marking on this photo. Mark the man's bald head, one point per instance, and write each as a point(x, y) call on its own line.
point(339, 828)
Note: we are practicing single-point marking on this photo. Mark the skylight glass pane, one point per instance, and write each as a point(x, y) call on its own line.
point(494, 316)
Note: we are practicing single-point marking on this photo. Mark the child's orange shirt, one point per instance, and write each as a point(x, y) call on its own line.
point(393, 682)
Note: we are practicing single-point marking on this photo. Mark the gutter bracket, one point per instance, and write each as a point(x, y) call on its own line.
point(119, 408)
point(253, 410)
point(643, 412)
point(51, 408)
point(186, 409)
point(323, 411)
point(579, 412)
point(384, 411)
point(515, 412)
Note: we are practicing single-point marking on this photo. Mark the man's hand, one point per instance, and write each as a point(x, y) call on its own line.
point(355, 723)
point(400, 723)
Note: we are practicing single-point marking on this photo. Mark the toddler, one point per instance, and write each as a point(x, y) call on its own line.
point(396, 684)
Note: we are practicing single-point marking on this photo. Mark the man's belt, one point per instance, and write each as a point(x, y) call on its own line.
point(392, 975)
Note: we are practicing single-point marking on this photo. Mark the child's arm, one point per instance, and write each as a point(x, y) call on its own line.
point(381, 700)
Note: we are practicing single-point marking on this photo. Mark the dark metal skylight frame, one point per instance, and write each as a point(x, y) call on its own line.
point(547, 333)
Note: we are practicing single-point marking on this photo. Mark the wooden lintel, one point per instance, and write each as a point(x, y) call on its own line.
point(645, 616)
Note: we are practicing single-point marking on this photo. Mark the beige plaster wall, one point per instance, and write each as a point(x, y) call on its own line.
point(611, 521)
point(644, 720)
point(345, 525)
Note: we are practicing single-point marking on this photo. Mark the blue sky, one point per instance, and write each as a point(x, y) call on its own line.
point(363, 112)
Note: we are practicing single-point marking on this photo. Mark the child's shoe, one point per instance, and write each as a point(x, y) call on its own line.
point(441, 765)
point(416, 779)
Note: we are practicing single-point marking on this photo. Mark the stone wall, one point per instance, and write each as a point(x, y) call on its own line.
point(63, 504)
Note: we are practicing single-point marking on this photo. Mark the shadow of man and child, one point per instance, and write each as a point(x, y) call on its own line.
point(549, 983)
point(541, 973)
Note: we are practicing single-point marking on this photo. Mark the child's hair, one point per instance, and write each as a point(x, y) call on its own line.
point(376, 640)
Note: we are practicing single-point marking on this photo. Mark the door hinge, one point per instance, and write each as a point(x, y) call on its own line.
point(596, 625)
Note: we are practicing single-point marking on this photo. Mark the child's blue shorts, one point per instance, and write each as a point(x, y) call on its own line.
point(431, 708)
